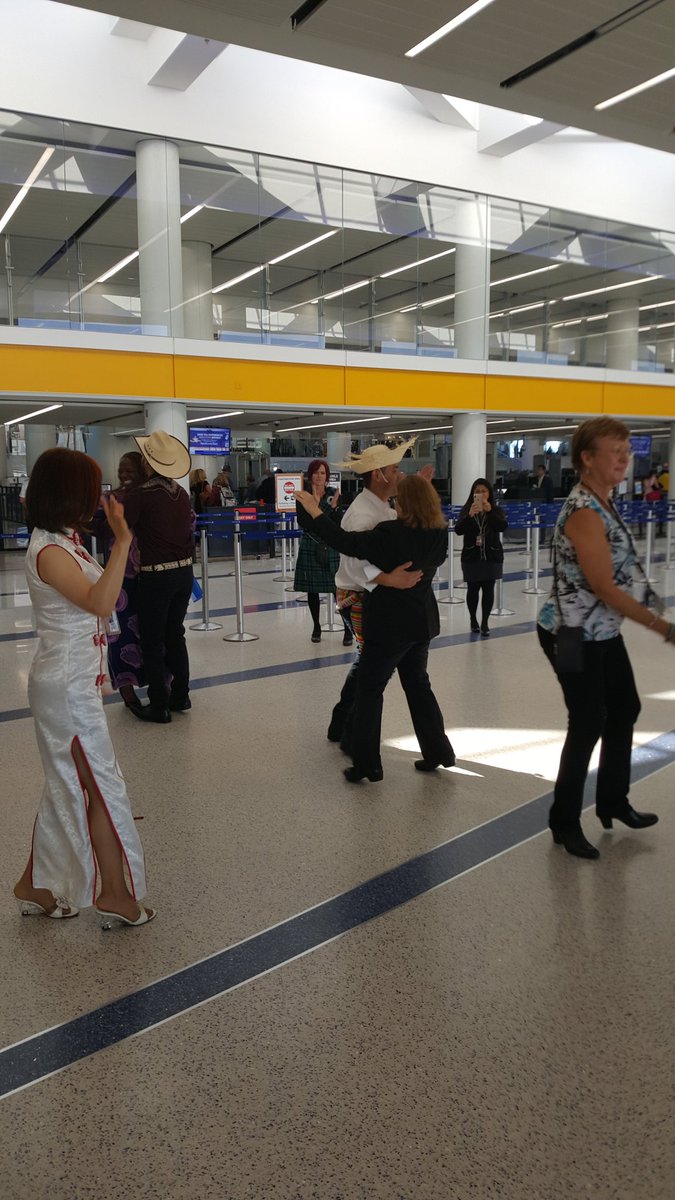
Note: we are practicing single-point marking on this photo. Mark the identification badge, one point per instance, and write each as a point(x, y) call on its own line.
point(112, 626)
point(653, 601)
point(479, 541)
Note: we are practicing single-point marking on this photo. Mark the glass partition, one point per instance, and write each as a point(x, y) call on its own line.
point(273, 251)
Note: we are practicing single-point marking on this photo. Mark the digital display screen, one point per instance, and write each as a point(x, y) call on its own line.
point(641, 445)
point(205, 440)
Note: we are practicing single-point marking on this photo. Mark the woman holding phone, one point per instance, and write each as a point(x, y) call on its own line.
point(481, 523)
point(85, 848)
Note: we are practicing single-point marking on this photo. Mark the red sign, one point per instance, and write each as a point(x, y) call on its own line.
point(289, 487)
point(247, 514)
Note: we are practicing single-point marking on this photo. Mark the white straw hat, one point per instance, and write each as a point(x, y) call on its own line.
point(165, 453)
point(375, 457)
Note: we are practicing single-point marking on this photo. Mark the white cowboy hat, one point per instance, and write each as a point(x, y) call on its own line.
point(165, 453)
point(375, 457)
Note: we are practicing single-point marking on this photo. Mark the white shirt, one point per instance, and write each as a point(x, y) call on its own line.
point(364, 513)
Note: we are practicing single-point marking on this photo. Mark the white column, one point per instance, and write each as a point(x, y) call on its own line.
point(623, 318)
point(472, 294)
point(171, 416)
point(159, 237)
point(469, 439)
point(338, 446)
point(197, 285)
point(671, 463)
point(105, 449)
point(38, 438)
point(3, 455)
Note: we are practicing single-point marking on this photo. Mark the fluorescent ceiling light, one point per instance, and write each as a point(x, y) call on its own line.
point(428, 303)
point(331, 424)
point(648, 328)
point(419, 262)
point(113, 270)
point(649, 307)
point(525, 275)
point(640, 87)
point(192, 213)
point(508, 312)
point(38, 413)
point(236, 412)
point(422, 429)
point(614, 287)
point(523, 433)
point(352, 287)
point(237, 279)
point(306, 245)
point(23, 191)
point(466, 15)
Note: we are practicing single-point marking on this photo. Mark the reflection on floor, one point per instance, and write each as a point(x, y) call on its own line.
point(395, 990)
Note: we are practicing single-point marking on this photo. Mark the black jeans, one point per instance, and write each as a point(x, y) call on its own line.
point(602, 703)
point(376, 667)
point(163, 597)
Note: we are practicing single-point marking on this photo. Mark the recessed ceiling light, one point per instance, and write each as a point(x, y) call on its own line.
point(444, 30)
point(640, 87)
point(38, 413)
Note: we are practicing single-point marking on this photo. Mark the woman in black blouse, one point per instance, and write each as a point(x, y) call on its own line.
point(399, 621)
point(481, 522)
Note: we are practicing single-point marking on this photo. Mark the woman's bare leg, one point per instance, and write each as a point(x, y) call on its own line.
point(114, 895)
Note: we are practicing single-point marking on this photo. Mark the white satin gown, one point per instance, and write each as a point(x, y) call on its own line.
point(64, 691)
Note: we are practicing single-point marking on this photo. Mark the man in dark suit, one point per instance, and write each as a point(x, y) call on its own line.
point(544, 485)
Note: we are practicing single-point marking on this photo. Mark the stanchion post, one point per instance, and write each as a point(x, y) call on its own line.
point(528, 548)
point(649, 548)
point(331, 626)
point(284, 577)
point(94, 548)
point(499, 610)
point(670, 513)
point(451, 598)
point(534, 589)
point(205, 624)
point(240, 635)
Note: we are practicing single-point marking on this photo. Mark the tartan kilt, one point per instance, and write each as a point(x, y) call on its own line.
point(315, 567)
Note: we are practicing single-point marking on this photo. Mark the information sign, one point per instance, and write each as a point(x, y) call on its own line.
point(287, 484)
point(246, 514)
point(207, 440)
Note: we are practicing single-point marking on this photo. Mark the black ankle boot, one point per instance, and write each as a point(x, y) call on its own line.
point(628, 816)
point(575, 843)
point(356, 774)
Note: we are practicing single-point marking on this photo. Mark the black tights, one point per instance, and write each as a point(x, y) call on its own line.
point(314, 602)
point(472, 591)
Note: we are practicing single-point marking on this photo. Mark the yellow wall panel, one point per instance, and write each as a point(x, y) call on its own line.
point(518, 394)
point(416, 389)
point(236, 380)
point(76, 372)
point(635, 400)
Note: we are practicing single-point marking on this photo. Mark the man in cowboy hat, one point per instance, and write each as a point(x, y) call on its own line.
point(378, 467)
point(160, 515)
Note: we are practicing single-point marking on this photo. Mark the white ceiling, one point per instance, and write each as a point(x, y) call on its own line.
point(473, 61)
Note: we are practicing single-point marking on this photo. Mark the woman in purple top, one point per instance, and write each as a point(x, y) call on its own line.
point(125, 660)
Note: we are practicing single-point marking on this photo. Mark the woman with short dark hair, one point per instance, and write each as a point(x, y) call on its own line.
point(84, 826)
point(400, 618)
point(579, 630)
point(317, 562)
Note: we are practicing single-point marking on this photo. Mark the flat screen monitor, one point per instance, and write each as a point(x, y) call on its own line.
point(207, 440)
point(641, 445)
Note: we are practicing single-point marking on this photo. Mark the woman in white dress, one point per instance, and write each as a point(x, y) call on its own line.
point(84, 827)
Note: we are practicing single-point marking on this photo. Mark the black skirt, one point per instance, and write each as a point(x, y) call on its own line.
point(481, 571)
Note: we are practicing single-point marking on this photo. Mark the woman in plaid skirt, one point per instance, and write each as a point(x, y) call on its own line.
point(317, 563)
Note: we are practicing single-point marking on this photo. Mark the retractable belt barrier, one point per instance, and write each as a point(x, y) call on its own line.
point(244, 524)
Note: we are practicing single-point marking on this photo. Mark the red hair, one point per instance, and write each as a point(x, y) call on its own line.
point(314, 466)
point(64, 491)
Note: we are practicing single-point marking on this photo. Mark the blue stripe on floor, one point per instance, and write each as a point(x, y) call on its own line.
point(298, 667)
point(39, 1056)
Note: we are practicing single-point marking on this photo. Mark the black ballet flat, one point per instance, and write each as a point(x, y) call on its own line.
point(355, 775)
point(575, 843)
point(484, 631)
point(628, 816)
point(316, 636)
point(475, 628)
point(180, 706)
point(348, 640)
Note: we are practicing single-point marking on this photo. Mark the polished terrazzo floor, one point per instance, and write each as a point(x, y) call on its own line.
point(501, 1029)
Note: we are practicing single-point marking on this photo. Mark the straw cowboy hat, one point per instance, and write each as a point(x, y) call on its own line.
point(165, 454)
point(375, 457)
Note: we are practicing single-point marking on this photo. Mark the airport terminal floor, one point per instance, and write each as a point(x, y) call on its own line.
point(399, 990)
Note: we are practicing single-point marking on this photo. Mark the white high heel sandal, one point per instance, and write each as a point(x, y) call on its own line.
point(30, 908)
point(109, 918)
